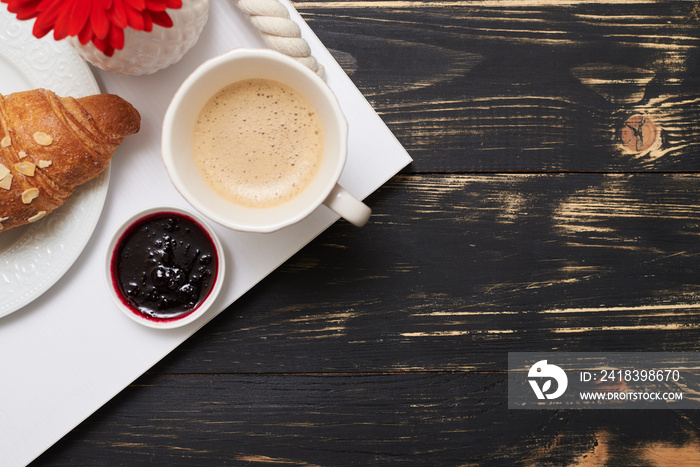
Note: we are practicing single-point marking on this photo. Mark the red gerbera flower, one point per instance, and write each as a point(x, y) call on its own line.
point(100, 21)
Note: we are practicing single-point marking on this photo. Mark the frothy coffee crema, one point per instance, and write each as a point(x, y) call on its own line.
point(258, 143)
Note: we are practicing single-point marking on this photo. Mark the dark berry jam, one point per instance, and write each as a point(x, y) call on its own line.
point(164, 266)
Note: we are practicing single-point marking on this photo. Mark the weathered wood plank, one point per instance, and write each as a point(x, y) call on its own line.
point(455, 271)
point(493, 86)
point(415, 419)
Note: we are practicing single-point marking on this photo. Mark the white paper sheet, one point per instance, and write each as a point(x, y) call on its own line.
point(70, 351)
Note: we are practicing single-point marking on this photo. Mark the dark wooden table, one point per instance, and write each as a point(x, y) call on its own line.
point(524, 224)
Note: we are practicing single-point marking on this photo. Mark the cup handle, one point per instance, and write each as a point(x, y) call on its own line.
point(347, 206)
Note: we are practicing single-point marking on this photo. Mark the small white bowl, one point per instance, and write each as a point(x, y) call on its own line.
point(130, 309)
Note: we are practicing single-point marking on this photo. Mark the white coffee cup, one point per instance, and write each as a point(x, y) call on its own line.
point(238, 65)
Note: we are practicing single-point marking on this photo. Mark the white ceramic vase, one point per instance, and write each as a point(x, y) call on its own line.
point(147, 52)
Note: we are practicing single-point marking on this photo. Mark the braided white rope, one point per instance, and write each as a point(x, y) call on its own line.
point(280, 32)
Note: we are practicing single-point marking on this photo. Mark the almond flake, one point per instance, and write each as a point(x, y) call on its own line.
point(4, 171)
point(3, 219)
point(6, 141)
point(37, 216)
point(6, 182)
point(22, 154)
point(43, 164)
point(42, 138)
point(29, 194)
point(25, 168)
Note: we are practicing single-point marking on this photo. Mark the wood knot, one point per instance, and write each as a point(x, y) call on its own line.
point(639, 133)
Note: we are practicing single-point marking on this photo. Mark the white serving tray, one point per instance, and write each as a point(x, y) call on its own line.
point(71, 350)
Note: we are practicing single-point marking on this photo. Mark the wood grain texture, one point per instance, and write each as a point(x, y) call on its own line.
point(524, 224)
point(408, 419)
point(477, 266)
point(493, 86)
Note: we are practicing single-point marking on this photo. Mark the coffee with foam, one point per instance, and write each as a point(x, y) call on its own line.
point(258, 143)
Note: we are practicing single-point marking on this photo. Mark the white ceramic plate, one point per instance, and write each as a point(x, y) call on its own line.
point(33, 257)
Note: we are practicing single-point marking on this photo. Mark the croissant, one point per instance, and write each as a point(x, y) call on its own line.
point(50, 145)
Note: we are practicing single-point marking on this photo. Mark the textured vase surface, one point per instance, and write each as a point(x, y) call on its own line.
point(147, 52)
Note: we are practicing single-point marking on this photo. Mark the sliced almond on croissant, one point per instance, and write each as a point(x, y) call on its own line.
point(29, 195)
point(42, 138)
point(37, 216)
point(25, 168)
point(6, 182)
